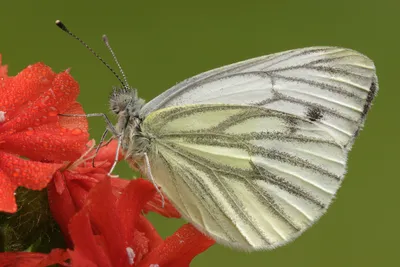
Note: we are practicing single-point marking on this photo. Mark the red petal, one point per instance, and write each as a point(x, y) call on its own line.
point(179, 249)
point(79, 186)
point(74, 122)
point(45, 108)
point(47, 144)
point(144, 226)
point(48, 136)
point(130, 204)
point(55, 256)
point(67, 193)
point(105, 218)
point(155, 205)
point(27, 173)
point(79, 260)
point(86, 248)
point(61, 204)
point(119, 183)
point(7, 197)
point(26, 86)
point(29, 259)
point(16, 172)
point(107, 153)
point(115, 219)
point(141, 245)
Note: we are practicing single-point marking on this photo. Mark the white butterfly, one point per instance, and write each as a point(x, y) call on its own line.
point(252, 153)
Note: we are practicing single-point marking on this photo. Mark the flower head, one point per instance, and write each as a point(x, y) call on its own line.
point(110, 231)
point(102, 218)
point(69, 189)
point(31, 128)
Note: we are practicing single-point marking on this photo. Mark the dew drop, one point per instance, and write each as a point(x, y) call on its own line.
point(52, 113)
point(76, 131)
point(44, 79)
point(16, 172)
point(29, 131)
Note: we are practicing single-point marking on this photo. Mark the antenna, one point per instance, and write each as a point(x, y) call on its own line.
point(65, 29)
point(106, 42)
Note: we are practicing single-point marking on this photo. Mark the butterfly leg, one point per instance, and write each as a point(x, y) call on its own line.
point(110, 127)
point(103, 136)
point(116, 155)
point(150, 175)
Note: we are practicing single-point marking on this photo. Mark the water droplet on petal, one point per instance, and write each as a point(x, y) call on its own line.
point(44, 79)
point(76, 131)
point(29, 131)
point(52, 112)
point(16, 172)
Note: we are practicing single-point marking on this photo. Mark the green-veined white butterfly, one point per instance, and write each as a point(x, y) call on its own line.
point(252, 153)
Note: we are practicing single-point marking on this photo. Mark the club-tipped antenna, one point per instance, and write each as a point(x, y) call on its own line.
point(107, 43)
point(65, 29)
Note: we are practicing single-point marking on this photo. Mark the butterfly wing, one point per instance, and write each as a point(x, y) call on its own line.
point(331, 85)
point(250, 177)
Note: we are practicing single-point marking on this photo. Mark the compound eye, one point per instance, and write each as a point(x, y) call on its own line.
point(119, 99)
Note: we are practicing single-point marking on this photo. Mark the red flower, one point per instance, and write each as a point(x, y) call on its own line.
point(30, 127)
point(101, 217)
point(69, 189)
point(107, 227)
point(110, 231)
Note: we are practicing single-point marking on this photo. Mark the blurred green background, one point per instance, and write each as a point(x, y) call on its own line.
point(160, 43)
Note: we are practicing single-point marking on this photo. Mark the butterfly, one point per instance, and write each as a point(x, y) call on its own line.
point(252, 153)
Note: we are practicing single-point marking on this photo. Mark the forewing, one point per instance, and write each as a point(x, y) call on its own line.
point(333, 86)
point(249, 177)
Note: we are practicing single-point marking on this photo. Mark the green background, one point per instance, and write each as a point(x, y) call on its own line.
point(159, 43)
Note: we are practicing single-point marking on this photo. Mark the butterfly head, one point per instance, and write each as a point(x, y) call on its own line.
point(125, 102)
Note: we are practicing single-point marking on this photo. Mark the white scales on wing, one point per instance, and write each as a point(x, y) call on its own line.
point(337, 83)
